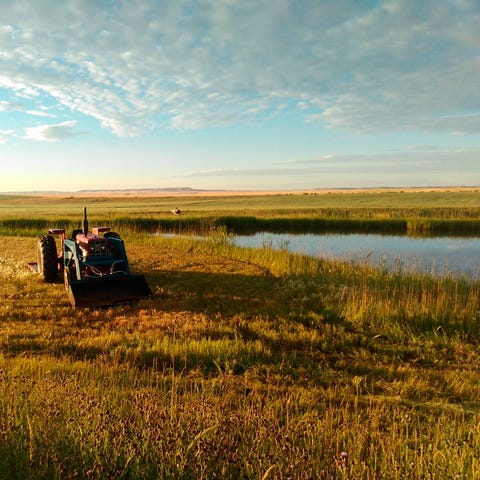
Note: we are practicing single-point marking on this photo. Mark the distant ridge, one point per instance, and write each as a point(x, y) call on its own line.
point(161, 191)
point(149, 191)
point(116, 191)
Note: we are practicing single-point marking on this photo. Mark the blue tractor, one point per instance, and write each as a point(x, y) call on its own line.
point(95, 266)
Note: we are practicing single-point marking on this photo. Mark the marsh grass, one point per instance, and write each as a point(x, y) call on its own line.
point(244, 364)
point(245, 224)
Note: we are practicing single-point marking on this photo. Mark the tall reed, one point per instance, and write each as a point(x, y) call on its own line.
point(244, 224)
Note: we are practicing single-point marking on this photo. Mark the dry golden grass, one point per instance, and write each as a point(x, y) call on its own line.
point(244, 364)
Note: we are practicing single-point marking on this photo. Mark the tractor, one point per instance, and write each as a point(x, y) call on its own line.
point(94, 265)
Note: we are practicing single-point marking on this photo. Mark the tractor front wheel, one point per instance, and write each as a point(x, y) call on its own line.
point(47, 258)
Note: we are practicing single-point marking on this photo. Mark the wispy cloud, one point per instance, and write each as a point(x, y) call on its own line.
point(40, 113)
point(52, 133)
point(431, 168)
point(7, 106)
point(5, 135)
point(393, 66)
point(388, 165)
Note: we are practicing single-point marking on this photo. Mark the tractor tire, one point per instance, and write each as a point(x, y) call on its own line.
point(47, 258)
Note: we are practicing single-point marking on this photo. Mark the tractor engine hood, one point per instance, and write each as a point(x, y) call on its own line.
point(92, 245)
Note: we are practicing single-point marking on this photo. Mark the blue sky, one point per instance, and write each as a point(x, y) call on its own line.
point(230, 94)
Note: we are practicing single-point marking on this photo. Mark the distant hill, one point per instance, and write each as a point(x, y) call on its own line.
point(152, 191)
point(146, 191)
point(117, 191)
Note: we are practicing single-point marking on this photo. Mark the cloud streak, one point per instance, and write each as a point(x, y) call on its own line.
point(52, 133)
point(9, 106)
point(394, 169)
point(396, 66)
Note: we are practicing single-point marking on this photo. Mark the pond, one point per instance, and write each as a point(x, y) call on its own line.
point(439, 256)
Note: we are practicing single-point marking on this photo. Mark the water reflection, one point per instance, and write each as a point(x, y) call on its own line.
point(440, 255)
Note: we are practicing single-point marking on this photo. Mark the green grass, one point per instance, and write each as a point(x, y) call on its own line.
point(244, 364)
point(377, 204)
point(249, 224)
point(417, 213)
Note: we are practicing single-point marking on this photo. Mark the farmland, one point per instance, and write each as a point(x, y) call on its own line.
point(245, 363)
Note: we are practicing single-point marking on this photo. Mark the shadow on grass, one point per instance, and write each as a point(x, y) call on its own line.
point(213, 322)
point(237, 315)
point(227, 294)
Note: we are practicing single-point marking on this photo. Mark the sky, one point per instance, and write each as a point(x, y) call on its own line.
point(239, 94)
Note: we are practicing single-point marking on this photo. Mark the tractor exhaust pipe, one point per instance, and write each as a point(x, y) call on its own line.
point(85, 221)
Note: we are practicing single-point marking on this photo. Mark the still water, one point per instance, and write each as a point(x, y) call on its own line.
point(439, 256)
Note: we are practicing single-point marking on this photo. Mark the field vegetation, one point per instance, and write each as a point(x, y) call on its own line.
point(244, 364)
point(446, 212)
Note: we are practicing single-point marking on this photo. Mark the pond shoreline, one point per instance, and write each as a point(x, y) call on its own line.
point(438, 256)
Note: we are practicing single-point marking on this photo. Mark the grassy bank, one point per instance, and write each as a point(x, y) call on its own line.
point(244, 364)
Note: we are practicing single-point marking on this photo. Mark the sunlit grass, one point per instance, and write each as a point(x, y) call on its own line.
point(244, 364)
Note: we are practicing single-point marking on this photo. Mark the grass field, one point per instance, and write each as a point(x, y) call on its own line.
point(413, 212)
point(244, 364)
point(102, 205)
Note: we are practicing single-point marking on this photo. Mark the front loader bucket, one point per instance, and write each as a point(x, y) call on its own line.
point(108, 290)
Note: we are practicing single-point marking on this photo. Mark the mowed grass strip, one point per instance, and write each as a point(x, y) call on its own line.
point(244, 364)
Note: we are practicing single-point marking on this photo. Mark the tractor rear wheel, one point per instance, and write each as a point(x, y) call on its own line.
point(47, 258)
